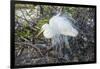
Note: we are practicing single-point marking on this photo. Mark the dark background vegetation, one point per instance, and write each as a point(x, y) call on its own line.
point(30, 50)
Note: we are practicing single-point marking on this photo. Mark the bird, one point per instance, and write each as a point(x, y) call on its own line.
point(60, 24)
point(58, 29)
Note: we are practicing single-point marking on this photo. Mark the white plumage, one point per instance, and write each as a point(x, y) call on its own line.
point(48, 32)
point(59, 25)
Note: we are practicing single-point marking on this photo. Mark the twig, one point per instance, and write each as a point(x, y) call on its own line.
point(28, 13)
point(24, 15)
point(20, 51)
point(30, 44)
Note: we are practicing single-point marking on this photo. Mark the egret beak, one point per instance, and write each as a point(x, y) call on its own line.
point(40, 32)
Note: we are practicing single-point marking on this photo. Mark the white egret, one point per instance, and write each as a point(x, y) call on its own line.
point(58, 25)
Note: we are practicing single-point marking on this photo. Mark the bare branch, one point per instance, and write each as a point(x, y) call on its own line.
point(30, 44)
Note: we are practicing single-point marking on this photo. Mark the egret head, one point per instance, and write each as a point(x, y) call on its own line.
point(47, 31)
point(45, 27)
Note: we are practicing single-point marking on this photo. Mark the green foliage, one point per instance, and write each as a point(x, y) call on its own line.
point(71, 10)
point(33, 17)
point(42, 22)
point(24, 6)
point(25, 32)
point(41, 16)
